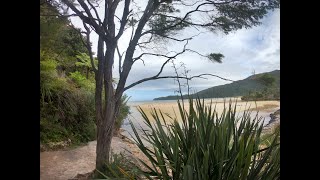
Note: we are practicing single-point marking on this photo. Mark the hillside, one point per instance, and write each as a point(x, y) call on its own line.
point(237, 88)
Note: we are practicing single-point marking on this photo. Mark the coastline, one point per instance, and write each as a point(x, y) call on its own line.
point(273, 123)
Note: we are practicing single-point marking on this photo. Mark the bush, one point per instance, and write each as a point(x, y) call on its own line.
point(207, 146)
point(66, 112)
point(124, 112)
point(265, 94)
point(67, 105)
point(120, 167)
point(82, 81)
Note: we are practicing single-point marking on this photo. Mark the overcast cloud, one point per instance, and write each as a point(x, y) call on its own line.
point(247, 50)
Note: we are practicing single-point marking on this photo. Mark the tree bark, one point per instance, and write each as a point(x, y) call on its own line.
point(105, 133)
point(104, 138)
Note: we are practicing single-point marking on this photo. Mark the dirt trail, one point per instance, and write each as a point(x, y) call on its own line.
point(64, 165)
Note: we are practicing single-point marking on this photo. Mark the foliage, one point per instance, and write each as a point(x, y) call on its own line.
point(84, 60)
point(120, 167)
point(270, 91)
point(216, 57)
point(67, 105)
point(225, 17)
point(124, 112)
point(65, 110)
point(267, 80)
point(163, 25)
point(81, 81)
point(208, 146)
point(265, 94)
point(238, 88)
point(58, 38)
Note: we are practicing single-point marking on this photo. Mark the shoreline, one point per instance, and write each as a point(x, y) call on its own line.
point(273, 123)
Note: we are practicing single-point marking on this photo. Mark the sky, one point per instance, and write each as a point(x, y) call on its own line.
point(246, 50)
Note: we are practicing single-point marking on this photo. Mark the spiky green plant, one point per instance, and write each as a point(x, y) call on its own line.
point(207, 146)
point(120, 167)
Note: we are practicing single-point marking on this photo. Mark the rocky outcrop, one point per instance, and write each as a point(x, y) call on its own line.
point(275, 117)
point(273, 123)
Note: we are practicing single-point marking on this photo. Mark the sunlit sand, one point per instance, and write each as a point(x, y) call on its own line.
point(171, 107)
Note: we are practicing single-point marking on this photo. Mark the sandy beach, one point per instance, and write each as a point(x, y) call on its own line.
point(171, 107)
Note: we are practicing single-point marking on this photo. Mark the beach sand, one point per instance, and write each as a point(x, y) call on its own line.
point(171, 107)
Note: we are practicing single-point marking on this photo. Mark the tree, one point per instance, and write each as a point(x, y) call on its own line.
point(84, 61)
point(160, 20)
point(267, 80)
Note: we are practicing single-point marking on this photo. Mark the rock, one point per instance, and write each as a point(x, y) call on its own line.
point(87, 176)
point(274, 122)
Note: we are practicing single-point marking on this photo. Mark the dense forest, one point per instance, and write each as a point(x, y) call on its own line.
point(255, 87)
point(67, 84)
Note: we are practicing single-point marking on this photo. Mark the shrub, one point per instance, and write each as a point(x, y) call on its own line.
point(124, 112)
point(66, 112)
point(82, 81)
point(120, 167)
point(67, 105)
point(207, 146)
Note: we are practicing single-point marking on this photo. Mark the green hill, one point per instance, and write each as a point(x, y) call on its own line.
point(236, 88)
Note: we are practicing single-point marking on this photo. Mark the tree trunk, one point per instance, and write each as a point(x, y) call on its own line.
point(104, 138)
point(105, 134)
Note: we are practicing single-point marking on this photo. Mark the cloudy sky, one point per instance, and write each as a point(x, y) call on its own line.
point(247, 50)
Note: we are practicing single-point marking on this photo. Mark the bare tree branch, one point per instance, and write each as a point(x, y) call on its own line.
point(152, 54)
point(124, 19)
point(190, 50)
point(180, 22)
point(89, 47)
point(161, 69)
point(117, 18)
point(132, 30)
point(146, 42)
point(189, 4)
point(87, 19)
point(178, 80)
point(188, 22)
point(120, 59)
point(175, 39)
point(208, 74)
point(160, 55)
point(86, 9)
point(128, 62)
point(170, 77)
point(95, 11)
point(59, 15)
point(183, 20)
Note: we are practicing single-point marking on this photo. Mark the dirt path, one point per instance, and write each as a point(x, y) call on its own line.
point(63, 165)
